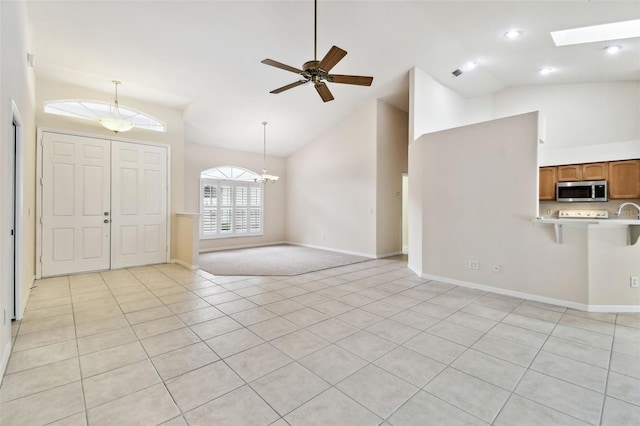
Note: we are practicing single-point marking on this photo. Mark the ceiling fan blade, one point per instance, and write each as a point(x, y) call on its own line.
point(289, 86)
point(281, 66)
point(333, 56)
point(350, 79)
point(324, 92)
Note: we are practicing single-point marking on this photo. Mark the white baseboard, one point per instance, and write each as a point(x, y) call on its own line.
point(382, 256)
point(25, 299)
point(506, 292)
point(613, 308)
point(534, 297)
point(353, 253)
point(414, 270)
point(273, 243)
point(4, 360)
point(185, 264)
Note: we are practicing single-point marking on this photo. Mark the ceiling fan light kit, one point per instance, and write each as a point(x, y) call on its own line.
point(317, 72)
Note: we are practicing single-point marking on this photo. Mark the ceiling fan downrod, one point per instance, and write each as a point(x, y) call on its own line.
point(318, 71)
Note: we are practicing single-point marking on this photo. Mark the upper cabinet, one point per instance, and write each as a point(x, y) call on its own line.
point(595, 171)
point(548, 179)
point(570, 173)
point(578, 172)
point(624, 179)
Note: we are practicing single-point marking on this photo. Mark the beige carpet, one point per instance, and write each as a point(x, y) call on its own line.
point(281, 259)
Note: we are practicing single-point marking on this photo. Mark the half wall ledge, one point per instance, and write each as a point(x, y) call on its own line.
point(632, 225)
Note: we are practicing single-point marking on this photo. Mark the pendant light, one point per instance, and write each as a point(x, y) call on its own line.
point(264, 177)
point(114, 121)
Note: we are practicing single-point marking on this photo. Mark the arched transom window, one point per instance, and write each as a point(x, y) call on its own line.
point(231, 203)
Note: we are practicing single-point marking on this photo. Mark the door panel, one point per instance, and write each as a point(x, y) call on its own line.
point(139, 204)
point(75, 196)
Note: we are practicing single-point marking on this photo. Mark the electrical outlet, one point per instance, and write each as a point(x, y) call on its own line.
point(497, 269)
point(633, 281)
point(474, 264)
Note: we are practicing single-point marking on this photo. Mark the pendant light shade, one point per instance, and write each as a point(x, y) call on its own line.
point(265, 177)
point(115, 122)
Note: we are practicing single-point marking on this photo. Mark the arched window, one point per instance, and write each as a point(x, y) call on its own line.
point(93, 110)
point(230, 203)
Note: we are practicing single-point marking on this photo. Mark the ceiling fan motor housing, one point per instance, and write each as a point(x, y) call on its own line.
point(318, 71)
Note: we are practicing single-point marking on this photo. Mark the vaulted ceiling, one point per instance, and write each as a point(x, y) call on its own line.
point(204, 56)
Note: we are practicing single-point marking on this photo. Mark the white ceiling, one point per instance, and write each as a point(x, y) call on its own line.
point(204, 56)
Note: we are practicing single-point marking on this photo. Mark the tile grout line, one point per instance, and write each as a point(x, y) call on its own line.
point(359, 328)
point(606, 382)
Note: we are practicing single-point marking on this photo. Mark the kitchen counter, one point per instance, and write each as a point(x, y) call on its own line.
point(633, 225)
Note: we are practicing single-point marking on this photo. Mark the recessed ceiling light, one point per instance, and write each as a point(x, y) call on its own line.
point(513, 34)
point(546, 70)
point(469, 66)
point(604, 32)
point(612, 50)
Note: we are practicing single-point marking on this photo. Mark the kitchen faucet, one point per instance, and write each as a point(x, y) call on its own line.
point(621, 206)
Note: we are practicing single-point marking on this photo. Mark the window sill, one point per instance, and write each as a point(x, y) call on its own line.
point(224, 237)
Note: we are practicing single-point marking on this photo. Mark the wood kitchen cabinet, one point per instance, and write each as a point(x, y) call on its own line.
point(548, 179)
point(570, 173)
point(624, 179)
point(595, 171)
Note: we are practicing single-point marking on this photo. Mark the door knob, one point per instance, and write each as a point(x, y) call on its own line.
point(106, 221)
point(106, 213)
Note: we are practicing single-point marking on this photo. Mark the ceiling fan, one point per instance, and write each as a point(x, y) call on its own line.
point(318, 71)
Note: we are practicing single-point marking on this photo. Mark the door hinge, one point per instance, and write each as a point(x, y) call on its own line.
point(41, 181)
point(12, 232)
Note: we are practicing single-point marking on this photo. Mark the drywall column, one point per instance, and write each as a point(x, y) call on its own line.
point(416, 182)
point(187, 237)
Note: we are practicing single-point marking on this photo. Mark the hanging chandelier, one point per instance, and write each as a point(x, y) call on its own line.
point(115, 122)
point(264, 177)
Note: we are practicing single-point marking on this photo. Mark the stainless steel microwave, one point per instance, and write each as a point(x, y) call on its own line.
point(580, 192)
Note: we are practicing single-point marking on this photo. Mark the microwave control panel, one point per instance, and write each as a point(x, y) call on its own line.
point(584, 214)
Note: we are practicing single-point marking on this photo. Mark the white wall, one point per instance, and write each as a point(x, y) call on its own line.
point(434, 107)
point(579, 122)
point(484, 213)
point(17, 84)
point(578, 154)
point(202, 157)
point(344, 189)
point(416, 195)
point(578, 114)
point(331, 187)
point(392, 162)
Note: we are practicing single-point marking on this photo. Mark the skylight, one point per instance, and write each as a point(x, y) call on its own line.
point(93, 110)
point(595, 33)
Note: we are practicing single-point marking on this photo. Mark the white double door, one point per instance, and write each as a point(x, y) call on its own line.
point(104, 204)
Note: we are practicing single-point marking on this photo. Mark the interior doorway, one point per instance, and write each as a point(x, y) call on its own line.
point(405, 213)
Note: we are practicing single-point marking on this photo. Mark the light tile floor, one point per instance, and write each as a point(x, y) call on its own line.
point(366, 344)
